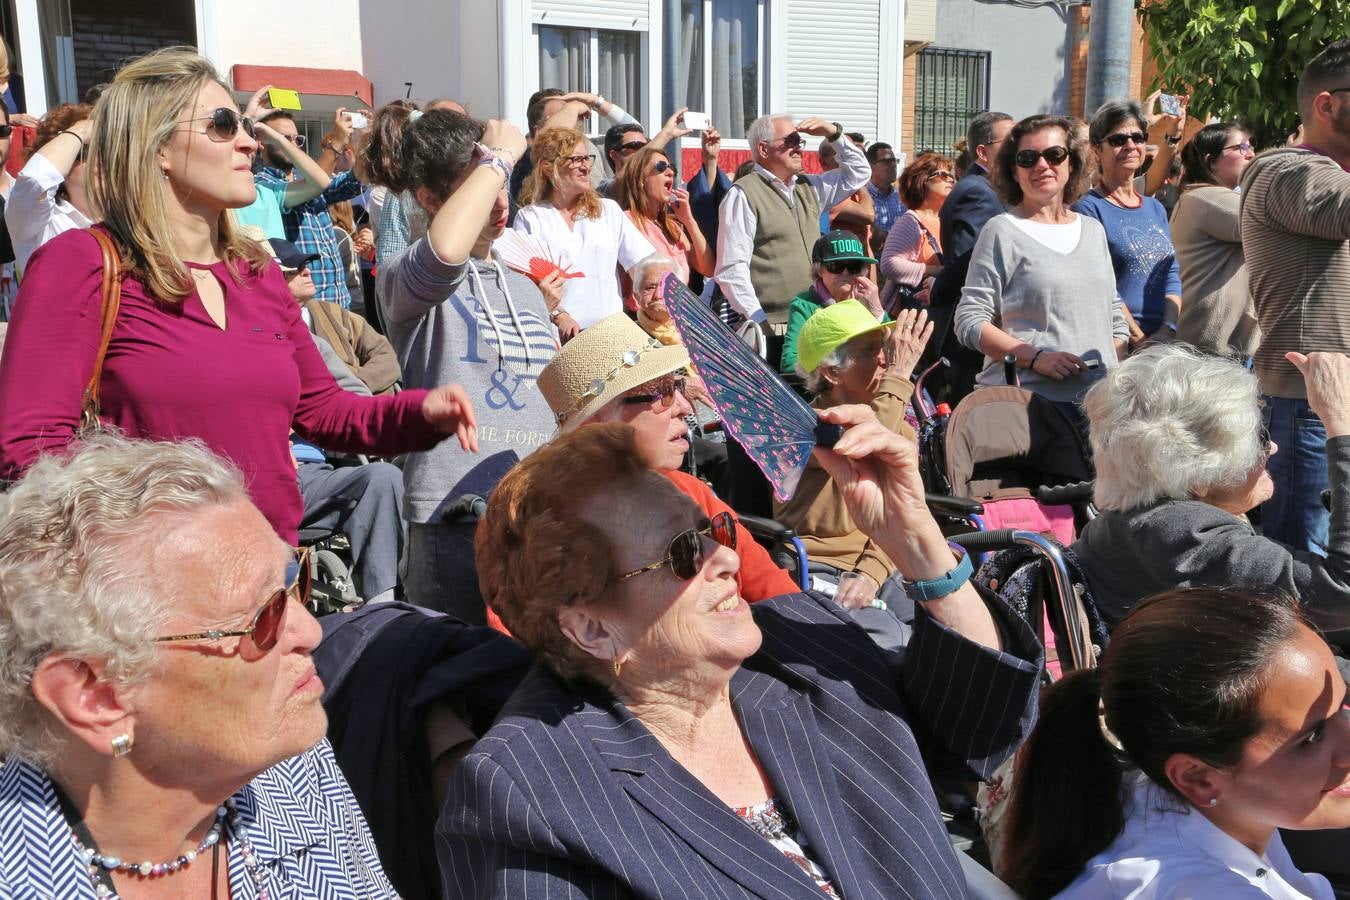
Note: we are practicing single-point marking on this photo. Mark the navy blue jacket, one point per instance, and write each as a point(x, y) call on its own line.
point(570, 796)
point(971, 203)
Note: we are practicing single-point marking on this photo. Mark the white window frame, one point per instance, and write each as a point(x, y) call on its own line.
point(764, 90)
point(593, 76)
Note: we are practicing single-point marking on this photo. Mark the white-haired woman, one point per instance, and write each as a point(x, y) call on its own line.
point(160, 722)
point(1181, 457)
point(208, 342)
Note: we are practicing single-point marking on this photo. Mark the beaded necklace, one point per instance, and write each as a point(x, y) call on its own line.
point(100, 866)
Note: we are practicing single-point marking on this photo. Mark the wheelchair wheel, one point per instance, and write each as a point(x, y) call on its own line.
point(332, 589)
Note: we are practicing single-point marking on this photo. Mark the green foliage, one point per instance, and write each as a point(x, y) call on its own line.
point(1241, 60)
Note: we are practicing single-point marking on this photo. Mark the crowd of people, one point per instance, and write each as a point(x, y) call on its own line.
point(575, 670)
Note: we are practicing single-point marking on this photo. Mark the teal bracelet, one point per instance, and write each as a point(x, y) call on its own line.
point(937, 588)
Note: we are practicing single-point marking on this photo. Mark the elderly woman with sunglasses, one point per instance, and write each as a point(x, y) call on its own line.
point(839, 270)
point(1147, 276)
point(675, 741)
point(912, 257)
point(208, 342)
point(1040, 285)
point(560, 207)
point(160, 722)
point(1181, 458)
point(647, 192)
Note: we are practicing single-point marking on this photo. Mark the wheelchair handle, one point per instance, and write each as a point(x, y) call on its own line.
point(1055, 495)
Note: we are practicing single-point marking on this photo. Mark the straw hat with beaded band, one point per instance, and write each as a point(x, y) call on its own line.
point(611, 357)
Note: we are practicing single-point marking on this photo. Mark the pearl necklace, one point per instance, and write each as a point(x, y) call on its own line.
point(95, 860)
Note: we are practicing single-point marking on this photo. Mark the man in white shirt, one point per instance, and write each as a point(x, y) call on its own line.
point(770, 219)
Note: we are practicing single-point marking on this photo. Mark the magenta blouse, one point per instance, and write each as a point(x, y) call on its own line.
point(172, 373)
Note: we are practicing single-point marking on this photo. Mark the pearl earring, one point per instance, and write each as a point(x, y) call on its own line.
point(1213, 801)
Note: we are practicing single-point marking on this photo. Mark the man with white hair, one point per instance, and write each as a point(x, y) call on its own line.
point(770, 218)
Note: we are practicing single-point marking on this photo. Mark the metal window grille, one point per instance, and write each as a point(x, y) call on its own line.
point(950, 87)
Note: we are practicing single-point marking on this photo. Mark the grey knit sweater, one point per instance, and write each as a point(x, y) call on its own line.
point(1128, 556)
point(1053, 301)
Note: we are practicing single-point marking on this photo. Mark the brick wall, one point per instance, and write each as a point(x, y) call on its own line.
point(105, 38)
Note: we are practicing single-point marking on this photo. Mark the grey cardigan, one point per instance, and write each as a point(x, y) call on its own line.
point(1219, 316)
point(1053, 301)
point(1127, 556)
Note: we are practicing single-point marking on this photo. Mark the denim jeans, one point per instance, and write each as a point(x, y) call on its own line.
point(1295, 515)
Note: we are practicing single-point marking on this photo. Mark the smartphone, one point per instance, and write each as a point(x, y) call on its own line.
point(1170, 104)
point(359, 120)
point(281, 98)
point(696, 121)
point(1092, 363)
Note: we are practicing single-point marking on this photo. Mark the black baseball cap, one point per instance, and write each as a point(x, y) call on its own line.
point(288, 256)
point(840, 246)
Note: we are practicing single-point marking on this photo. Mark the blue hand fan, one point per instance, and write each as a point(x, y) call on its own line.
point(766, 417)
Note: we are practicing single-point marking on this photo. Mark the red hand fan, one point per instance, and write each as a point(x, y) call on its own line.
point(530, 255)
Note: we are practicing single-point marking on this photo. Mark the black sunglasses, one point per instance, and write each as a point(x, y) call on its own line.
point(6, 130)
point(266, 625)
point(685, 556)
point(224, 123)
point(633, 146)
point(1118, 140)
point(793, 141)
point(852, 267)
point(660, 166)
point(1028, 158)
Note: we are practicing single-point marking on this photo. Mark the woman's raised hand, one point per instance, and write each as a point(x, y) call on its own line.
point(877, 472)
point(552, 288)
point(679, 205)
point(503, 135)
point(907, 339)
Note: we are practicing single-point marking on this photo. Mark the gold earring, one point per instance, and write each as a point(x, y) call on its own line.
point(121, 745)
point(617, 666)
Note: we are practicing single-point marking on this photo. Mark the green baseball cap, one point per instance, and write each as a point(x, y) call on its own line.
point(840, 246)
point(831, 328)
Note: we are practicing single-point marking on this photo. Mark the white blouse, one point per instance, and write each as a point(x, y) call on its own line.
point(593, 247)
point(1169, 851)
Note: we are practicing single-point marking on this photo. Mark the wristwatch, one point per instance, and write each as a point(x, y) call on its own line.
point(1172, 139)
point(599, 102)
point(838, 132)
point(553, 314)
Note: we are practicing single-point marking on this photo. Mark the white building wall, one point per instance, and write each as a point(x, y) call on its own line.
point(1029, 69)
point(318, 34)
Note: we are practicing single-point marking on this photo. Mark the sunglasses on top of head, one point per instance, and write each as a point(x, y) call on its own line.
point(1118, 140)
point(265, 627)
point(224, 123)
point(1028, 158)
point(685, 555)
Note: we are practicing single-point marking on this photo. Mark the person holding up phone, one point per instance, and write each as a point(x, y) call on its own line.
point(274, 198)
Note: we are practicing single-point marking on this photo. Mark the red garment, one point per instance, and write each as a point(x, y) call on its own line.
point(172, 373)
point(758, 578)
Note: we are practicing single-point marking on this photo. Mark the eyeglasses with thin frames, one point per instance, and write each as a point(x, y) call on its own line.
point(1245, 147)
point(581, 159)
point(685, 555)
point(266, 624)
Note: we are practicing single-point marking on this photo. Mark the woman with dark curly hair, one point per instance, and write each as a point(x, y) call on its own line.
point(913, 253)
point(49, 194)
point(1041, 286)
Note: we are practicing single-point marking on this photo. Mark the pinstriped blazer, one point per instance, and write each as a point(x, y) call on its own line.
point(569, 795)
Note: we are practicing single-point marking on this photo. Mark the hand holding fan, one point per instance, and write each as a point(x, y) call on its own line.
point(775, 426)
point(531, 255)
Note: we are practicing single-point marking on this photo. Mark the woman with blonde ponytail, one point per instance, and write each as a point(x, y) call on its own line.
point(208, 342)
point(1215, 718)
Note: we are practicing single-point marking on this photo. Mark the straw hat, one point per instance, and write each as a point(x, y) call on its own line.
point(611, 357)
